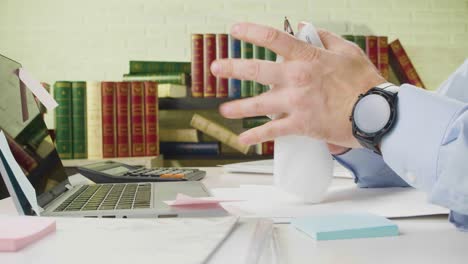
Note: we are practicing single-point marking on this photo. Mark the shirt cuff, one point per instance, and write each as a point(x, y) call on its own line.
point(411, 148)
point(369, 169)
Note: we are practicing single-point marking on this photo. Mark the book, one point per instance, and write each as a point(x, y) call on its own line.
point(222, 83)
point(122, 110)
point(372, 50)
point(21, 154)
point(360, 41)
point(197, 65)
point(188, 148)
point(268, 148)
point(172, 91)
point(151, 118)
point(137, 126)
point(259, 54)
point(218, 132)
point(382, 54)
point(94, 120)
point(348, 37)
point(247, 53)
point(209, 55)
point(108, 121)
point(252, 122)
point(234, 90)
point(159, 67)
point(63, 119)
point(270, 55)
point(80, 146)
point(402, 66)
point(172, 78)
point(179, 135)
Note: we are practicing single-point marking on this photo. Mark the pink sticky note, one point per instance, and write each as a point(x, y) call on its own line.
point(16, 232)
point(37, 89)
point(185, 200)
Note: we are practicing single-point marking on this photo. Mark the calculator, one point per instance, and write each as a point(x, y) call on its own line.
point(115, 172)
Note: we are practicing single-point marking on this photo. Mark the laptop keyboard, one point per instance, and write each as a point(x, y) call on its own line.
point(108, 197)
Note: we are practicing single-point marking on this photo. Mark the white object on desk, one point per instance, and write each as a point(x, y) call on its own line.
point(17, 232)
point(268, 201)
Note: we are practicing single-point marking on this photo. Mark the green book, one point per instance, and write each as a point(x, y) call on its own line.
point(170, 78)
point(254, 122)
point(159, 67)
point(63, 119)
point(259, 53)
point(360, 41)
point(270, 55)
point(246, 53)
point(348, 37)
point(80, 150)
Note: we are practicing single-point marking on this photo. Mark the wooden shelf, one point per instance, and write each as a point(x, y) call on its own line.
point(218, 157)
point(190, 103)
point(147, 162)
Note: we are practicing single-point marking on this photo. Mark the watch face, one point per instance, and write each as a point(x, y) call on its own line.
point(371, 113)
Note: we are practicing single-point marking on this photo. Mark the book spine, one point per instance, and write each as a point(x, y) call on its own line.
point(401, 64)
point(80, 146)
point(63, 119)
point(270, 55)
point(178, 135)
point(108, 121)
point(21, 155)
point(259, 53)
point(218, 132)
point(94, 120)
point(176, 78)
point(382, 47)
point(268, 148)
point(138, 67)
point(137, 119)
point(360, 41)
point(151, 119)
point(186, 148)
point(247, 53)
point(254, 122)
point(235, 53)
point(209, 52)
point(372, 50)
point(197, 65)
point(348, 37)
point(122, 108)
point(222, 83)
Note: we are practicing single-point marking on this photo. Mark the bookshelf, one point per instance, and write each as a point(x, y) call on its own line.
point(147, 162)
point(190, 103)
point(227, 156)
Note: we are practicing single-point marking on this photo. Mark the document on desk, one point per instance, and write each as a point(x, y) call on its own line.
point(268, 201)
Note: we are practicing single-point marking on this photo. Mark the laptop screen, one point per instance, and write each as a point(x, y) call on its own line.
point(26, 132)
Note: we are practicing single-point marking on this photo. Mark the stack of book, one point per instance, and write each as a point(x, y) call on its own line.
point(208, 47)
point(106, 119)
point(385, 55)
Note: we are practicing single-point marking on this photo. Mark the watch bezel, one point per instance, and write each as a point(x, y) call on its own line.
point(372, 140)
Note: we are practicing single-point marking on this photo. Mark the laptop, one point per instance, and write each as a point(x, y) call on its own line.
point(32, 148)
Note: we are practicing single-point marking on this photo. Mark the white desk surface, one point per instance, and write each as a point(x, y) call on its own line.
point(421, 240)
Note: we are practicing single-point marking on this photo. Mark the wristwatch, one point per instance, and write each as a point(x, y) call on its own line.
point(374, 115)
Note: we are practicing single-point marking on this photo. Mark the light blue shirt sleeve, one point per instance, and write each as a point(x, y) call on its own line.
point(427, 148)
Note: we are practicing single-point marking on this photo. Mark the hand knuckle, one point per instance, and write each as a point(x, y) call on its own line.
point(251, 71)
point(299, 76)
point(271, 36)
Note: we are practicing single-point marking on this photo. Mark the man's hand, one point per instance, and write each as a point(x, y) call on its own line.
point(314, 90)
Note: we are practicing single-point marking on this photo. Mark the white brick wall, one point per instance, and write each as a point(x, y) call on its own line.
point(95, 39)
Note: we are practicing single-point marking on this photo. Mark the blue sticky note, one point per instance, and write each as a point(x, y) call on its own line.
point(345, 226)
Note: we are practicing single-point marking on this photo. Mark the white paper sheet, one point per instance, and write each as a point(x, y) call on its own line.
point(268, 201)
point(26, 186)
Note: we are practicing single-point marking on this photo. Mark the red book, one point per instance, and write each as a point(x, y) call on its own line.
point(402, 66)
point(108, 122)
point(371, 50)
point(209, 52)
point(151, 119)
point(122, 106)
point(197, 65)
point(382, 54)
point(268, 148)
point(222, 83)
point(137, 119)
